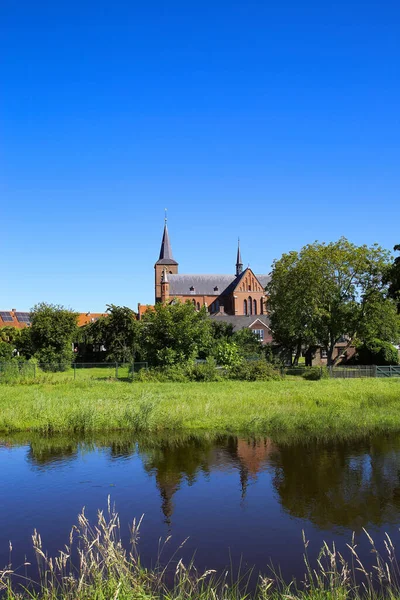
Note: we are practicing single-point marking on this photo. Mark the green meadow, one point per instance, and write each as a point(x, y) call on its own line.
point(323, 409)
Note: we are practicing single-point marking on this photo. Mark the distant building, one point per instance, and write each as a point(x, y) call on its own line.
point(238, 299)
point(15, 318)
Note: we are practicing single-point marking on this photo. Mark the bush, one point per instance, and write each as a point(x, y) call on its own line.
point(175, 373)
point(6, 352)
point(206, 371)
point(377, 352)
point(316, 373)
point(50, 360)
point(258, 370)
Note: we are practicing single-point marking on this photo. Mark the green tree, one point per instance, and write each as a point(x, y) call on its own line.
point(394, 279)
point(173, 333)
point(118, 333)
point(247, 342)
point(6, 351)
point(327, 291)
point(52, 332)
point(24, 344)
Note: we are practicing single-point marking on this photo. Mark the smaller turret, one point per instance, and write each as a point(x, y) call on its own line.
point(239, 264)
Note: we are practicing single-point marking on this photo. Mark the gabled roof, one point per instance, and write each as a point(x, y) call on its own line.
point(208, 285)
point(203, 285)
point(166, 257)
point(241, 321)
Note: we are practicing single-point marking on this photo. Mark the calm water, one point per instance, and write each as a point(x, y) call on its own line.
point(233, 497)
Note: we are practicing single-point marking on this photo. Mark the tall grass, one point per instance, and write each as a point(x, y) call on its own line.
point(102, 569)
point(323, 409)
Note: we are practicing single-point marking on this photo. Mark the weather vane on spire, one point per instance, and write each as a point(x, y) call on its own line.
point(165, 215)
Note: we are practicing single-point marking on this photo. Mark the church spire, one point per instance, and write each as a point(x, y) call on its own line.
point(166, 257)
point(239, 264)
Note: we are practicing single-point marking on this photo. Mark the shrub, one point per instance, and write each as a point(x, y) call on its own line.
point(206, 371)
point(175, 373)
point(316, 373)
point(6, 352)
point(377, 352)
point(50, 360)
point(258, 370)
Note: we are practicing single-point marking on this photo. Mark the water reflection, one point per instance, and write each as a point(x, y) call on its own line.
point(340, 484)
point(349, 485)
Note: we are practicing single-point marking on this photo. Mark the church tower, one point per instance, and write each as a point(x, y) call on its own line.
point(165, 263)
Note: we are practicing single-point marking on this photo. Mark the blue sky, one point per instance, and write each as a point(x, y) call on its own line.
point(274, 121)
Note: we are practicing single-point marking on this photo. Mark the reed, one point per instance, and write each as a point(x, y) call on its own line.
point(324, 409)
point(103, 569)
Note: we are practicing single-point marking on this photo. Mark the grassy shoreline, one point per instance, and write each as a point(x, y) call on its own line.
point(324, 409)
point(94, 565)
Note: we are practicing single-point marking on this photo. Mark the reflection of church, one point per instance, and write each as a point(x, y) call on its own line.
point(179, 464)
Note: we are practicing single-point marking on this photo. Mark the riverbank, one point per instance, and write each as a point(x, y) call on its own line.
point(324, 409)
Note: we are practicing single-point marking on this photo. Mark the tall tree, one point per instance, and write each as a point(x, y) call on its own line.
point(327, 291)
point(118, 333)
point(52, 332)
point(172, 333)
point(394, 279)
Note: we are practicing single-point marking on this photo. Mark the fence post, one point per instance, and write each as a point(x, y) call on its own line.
point(116, 370)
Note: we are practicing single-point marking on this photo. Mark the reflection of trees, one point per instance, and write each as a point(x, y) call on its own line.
point(331, 484)
point(340, 485)
point(47, 450)
point(173, 463)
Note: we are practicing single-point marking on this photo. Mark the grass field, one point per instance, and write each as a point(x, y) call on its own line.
point(326, 408)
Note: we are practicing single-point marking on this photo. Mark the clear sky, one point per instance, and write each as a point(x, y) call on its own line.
point(274, 121)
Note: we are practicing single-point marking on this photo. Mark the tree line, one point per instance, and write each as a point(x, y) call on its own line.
point(318, 296)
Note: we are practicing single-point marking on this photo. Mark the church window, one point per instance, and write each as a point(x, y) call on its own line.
point(250, 305)
point(255, 306)
point(198, 306)
point(194, 302)
point(262, 306)
point(249, 287)
point(245, 307)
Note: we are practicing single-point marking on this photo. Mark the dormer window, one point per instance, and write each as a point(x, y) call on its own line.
point(191, 288)
point(216, 289)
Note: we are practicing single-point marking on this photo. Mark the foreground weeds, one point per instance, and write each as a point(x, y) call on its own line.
point(102, 569)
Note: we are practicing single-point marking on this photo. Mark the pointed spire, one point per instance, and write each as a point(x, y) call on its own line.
point(239, 264)
point(166, 257)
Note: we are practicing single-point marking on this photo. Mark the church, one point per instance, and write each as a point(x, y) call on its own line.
point(238, 299)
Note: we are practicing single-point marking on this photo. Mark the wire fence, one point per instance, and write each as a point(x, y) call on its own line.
point(344, 372)
point(25, 371)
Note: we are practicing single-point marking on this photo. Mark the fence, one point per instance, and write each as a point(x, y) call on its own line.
point(24, 371)
point(350, 372)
